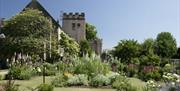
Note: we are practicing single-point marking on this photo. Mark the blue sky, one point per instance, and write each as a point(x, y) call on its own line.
point(115, 19)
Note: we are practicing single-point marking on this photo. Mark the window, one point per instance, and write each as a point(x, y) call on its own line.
point(78, 25)
point(73, 26)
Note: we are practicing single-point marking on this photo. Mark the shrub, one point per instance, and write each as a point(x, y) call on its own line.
point(167, 68)
point(45, 87)
point(132, 69)
point(153, 75)
point(78, 80)
point(100, 80)
point(61, 66)
point(20, 72)
point(121, 84)
point(49, 69)
point(91, 66)
point(50, 73)
point(151, 86)
point(59, 81)
point(112, 76)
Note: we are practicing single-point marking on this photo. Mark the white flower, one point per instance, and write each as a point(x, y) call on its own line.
point(172, 83)
point(178, 80)
point(38, 69)
point(177, 76)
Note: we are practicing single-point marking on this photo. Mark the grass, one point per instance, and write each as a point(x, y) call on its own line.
point(35, 81)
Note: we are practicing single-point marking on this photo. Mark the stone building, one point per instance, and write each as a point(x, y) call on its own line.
point(96, 45)
point(73, 24)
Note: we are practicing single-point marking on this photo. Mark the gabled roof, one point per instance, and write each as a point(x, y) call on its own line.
point(34, 4)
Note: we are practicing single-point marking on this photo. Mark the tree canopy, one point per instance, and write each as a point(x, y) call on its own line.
point(26, 32)
point(70, 45)
point(165, 45)
point(85, 48)
point(148, 47)
point(91, 32)
point(126, 50)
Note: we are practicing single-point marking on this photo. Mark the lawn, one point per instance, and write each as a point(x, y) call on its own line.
point(35, 81)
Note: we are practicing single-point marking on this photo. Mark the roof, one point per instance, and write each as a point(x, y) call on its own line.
point(34, 4)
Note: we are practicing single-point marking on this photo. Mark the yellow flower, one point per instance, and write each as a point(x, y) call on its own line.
point(67, 74)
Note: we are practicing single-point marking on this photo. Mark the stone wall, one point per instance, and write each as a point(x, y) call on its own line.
point(96, 45)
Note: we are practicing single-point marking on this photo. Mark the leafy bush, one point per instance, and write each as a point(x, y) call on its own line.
point(59, 81)
point(50, 73)
point(61, 66)
point(78, 80)
point(45, 87)
point(49, 69)
point(91, 66)
point(167, 68)
point(151, 86)
point(150, 72)
point(132, 69)
point(100, 80)
point(20, 72)
point(121, 84)
point(153, 75)
point(112, 76)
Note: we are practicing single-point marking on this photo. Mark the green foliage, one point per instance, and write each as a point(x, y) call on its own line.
point(50, 69)
point(59, 81)
point(112, 76)
point(148, 47)
point(132, 70)
point(20, 72)
point(45, 87)
point(152, 75)
point(28, 23)
point(167, 68)
point(26, 32)
point(127, 49)
point(150, 59)
point(78, 80)
point(85, 48)
point(165, 45)
point(100, 80)
point(61, 66)
point(121, 83)
point(91, 66)
point(91, 32)
point(151, 86)
point(70, 45)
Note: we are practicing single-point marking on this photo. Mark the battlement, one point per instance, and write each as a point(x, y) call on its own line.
point(73, 16)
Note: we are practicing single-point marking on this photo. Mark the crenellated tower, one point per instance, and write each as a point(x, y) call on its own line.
point(74, 25)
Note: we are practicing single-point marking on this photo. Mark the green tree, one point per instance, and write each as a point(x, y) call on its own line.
point(148, 47)
point(26, 32)
point(70, 45)
point(126, 50)
point(85, 48)
point(91, 32)
point(177, 54)
point(165, 45)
